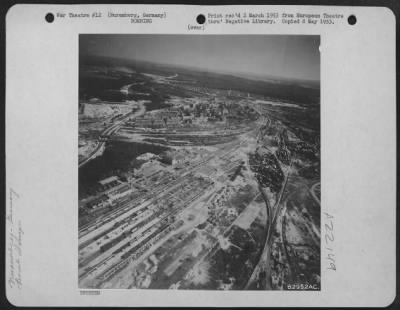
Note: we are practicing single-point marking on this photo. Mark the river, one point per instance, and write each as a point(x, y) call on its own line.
point(117, 158)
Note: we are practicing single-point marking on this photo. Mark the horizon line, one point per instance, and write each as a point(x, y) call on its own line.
point(252, 75)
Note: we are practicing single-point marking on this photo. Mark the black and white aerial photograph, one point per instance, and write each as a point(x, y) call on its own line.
point(199, 162)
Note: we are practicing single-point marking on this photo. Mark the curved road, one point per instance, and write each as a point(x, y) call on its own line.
point(272, 217)
point(109, 131)
point(312, 191)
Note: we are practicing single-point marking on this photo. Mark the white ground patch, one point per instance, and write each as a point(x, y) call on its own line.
point(86, 147)
point(199, 274)
point(248, 216)
point(104, 110)
point(293, 235)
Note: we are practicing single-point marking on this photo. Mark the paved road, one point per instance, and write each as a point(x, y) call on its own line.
point(272, 217)
point(109, 131)
point(312, 191)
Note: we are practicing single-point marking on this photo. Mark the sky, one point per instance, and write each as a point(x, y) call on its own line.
point(285, 56)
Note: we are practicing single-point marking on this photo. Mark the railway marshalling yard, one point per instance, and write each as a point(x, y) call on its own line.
point(235, 206)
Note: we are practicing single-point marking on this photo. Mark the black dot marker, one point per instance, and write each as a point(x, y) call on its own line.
point(201, 19)
point(49, 17)
point(352, 20)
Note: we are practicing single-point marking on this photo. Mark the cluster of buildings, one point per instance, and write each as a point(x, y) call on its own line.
point(198, 112)
point(267, 170)
point(167, 118)
point(293, 258)
point(280, 267)
point(219, 214)
point(112, 189)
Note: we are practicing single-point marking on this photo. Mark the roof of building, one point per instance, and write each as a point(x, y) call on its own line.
point(108, 180)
